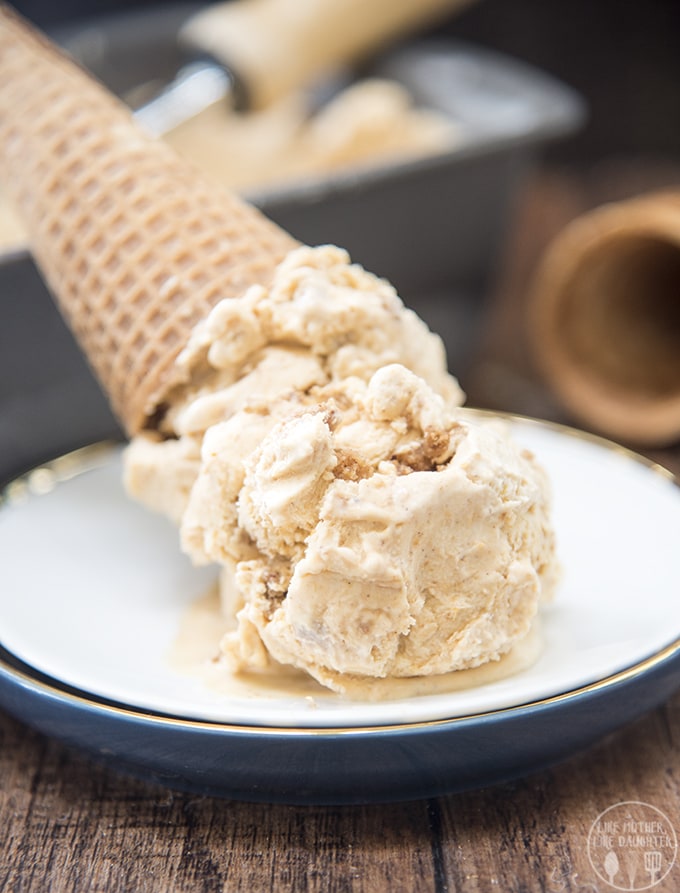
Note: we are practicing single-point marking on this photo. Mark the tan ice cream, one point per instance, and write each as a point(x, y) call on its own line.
point(317, 451)
point(372, 122)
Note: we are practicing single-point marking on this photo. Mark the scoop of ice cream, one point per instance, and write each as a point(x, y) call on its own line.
point(323, 320)
point(427, 554)
point(328, 310)
point(365, 526)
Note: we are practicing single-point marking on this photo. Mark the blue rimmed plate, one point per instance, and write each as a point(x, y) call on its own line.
point(93, 590)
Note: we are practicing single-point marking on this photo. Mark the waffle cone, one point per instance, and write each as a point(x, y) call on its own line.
point(134, 244)
point(605, 319)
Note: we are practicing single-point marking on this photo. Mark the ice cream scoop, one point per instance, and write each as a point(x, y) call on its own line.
point(431, 556)
point(365, 527)
point(257, 51)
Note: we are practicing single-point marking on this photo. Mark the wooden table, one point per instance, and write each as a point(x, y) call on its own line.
point(66, 824)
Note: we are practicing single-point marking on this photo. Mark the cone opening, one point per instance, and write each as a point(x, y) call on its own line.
point(620, 316)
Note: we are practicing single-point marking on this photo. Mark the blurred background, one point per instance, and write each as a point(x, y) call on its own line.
point(621, 61)
point(621, 55)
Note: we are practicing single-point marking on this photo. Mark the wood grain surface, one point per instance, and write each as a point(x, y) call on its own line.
point(67, 824)
point(70, 825)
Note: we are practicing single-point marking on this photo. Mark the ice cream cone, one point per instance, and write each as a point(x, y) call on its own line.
point(135, 245)
point(606, 319)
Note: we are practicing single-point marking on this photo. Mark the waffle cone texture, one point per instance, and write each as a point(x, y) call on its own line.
point(135, 245)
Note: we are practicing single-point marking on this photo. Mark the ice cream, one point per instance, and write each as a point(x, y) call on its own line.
point(371, 122)
point(317, 451)
point(286, 410)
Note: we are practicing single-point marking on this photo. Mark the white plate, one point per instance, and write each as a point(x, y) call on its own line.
point(93, 589)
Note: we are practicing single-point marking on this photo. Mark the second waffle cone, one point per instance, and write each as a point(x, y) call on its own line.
point(605, 319)
point(136, 246)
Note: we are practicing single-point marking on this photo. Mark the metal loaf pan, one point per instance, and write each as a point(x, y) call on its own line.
point(433, 225)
